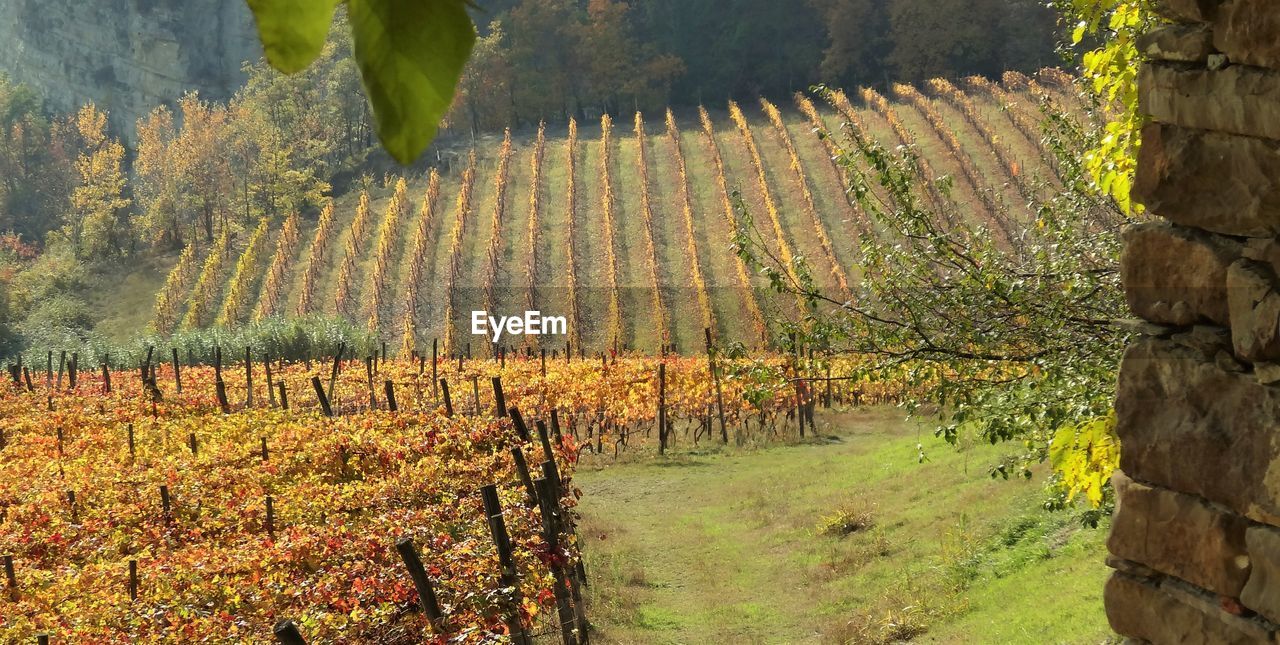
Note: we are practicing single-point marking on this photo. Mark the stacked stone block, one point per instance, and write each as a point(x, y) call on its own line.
point(1195, 541)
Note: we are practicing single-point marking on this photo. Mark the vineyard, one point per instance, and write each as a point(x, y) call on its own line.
point(388, 500)
point(625, 234)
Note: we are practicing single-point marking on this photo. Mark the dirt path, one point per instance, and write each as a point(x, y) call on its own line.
point(717, 546)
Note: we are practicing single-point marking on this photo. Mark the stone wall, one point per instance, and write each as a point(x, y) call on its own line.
point(1194, 543)
point(127, 56)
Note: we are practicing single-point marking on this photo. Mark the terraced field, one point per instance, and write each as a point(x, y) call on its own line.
point(622, 225)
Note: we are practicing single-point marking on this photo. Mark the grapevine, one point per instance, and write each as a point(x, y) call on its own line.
point(209, 282)
point(461, 210)
point(646, 211)
point(571, 206)
point(757, 163)
point(607, 201)
point(316, 260)
point(273, 286)
point(964, 104)
point(242, 279)
point(810, 112)
point(418, 263)
point(828, 249)
point(722, 185)
point(924, 169)
point(494, 252)
point(990, 209)
point(388, 243)
point(535, 211)
point(344, 304)
point(686, 210)
point(175, 284)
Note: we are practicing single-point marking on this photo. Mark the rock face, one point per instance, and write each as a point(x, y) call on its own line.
point(127, 56)
point(1195, 542)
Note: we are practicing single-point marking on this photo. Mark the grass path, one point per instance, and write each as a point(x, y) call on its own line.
point(729, 546)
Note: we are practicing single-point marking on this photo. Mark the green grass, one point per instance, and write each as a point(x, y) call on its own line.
point(845, 539)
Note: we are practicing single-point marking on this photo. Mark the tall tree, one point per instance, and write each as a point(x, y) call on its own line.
point(96, 224)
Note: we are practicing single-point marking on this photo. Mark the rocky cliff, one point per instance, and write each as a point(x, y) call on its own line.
point(127, 56)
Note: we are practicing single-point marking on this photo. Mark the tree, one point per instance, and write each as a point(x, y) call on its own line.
point(96, 225)
point(857, 33)
point(485, 93)
point(1003, 342)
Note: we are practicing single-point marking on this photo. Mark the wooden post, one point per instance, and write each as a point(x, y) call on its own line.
point(324, 399)
point(507, 577)
point(715, 377)
point(48, 374)
point(499, 401)
point(73, 370)
point(517, 419)
point(177, 371)
point(42, 639)
point(26, 377)
point(828, 401)
point(271, 517)
point(522, 470)
point(166, 510)
point(132, 453)
point(286, 632)
point(195, 447)
point(662, 408)
point(71, 505)
point(106, 379)
point(284, 396)
point(220, 389)
point(384, 353)
point(426, 594)
point(390, 390)
point(435, 376)
point(547, 487)
point(333, 373)
point(11, 577)
point(475, 394)
point(263, 448)
point(547, 451)
point(133, 580)
point(62, 361)
point(248, 378)
point(368, 377)
point(271, 385)
point(448, 402)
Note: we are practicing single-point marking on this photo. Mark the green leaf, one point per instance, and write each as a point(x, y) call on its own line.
point(292, 31)
point(411, 54)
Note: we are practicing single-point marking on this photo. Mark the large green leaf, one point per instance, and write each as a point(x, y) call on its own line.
point(411, 54)
point(292, 31)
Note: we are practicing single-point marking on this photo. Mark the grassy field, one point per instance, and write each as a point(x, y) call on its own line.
point(125, 316)
point(847, 539)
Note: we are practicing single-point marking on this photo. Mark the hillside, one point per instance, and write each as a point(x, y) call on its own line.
point(609, 240)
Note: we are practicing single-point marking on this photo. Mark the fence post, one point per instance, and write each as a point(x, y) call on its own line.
point(177, 371)
point(426, 594)
point(324, 400)
point(448, 402)
point(508, 578)
point(286, 633)
point(499, 401)
point(550, 502)
point(662, 408)
point(522, 470)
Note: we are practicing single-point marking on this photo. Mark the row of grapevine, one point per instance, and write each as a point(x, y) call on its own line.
point(175, 287)
point(1023, 119)
point(722, 188)
point(686, 211)
point(273, 286)
point(819, 126)
point(461, 209)
point(571, 207)
point(614, 325)
point(418, 263)
point(344, 297)
point(651, 249)
point(857, 130)
point(243, 278)
point(535, 217)
point(209, 284)
point(989, 207)
point(959, 100)
point(385, 256)
point(810, 206)
point(494, 251)
point(924, 169)
point(316, 259)
point(770, 206)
